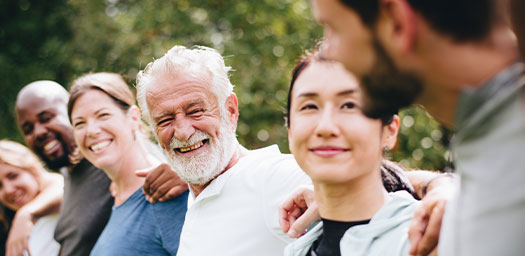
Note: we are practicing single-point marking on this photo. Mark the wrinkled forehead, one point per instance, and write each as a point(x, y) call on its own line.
point(175, 83)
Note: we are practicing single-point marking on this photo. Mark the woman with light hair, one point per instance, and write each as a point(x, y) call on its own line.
point(109, 133)
point(22, 178)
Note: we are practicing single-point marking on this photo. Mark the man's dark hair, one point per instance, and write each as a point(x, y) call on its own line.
point(463, 20)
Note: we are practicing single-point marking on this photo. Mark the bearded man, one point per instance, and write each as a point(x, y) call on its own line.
point(458, 59)
point(188, 100)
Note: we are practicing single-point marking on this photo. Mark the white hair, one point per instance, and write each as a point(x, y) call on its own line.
point(199, 62)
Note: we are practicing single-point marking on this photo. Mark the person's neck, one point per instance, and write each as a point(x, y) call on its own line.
point(354, 201)
point(123, 175)
point(449, 67)
point(241, 151)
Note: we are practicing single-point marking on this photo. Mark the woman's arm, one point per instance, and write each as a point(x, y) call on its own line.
point(48, 201)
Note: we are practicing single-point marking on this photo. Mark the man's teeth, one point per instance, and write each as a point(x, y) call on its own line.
point(196, 146)
point(99, 146)
point(50, 145)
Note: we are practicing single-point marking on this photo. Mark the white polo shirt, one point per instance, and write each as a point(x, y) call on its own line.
point(237, 214)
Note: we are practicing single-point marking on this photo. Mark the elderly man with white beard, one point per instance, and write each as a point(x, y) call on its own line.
point(188, 100)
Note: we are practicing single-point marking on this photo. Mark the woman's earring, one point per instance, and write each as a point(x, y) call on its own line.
point(385, 149)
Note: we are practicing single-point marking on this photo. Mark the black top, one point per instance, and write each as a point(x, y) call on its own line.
point(85, 210)
point(328, 243)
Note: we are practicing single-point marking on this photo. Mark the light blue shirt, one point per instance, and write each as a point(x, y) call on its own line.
point(385, 234)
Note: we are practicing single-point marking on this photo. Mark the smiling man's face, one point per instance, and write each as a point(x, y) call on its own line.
point(189, 126)
point(43, 120)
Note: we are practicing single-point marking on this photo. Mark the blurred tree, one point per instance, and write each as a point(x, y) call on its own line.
point(261, 40)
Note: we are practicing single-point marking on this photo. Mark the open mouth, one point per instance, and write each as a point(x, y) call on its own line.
point(99, 146)
point(51, 146)
point(192, 147)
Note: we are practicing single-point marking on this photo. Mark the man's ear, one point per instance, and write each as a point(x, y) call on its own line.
point(232, 109)
point(396, 26)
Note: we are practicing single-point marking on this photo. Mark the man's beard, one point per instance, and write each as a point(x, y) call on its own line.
point(386, 88)
point(59, 162)
point(201, 168)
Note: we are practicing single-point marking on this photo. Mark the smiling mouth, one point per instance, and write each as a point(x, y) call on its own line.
point(50, 145)
point(17, 198)
point(99, 146)
point(192, 147)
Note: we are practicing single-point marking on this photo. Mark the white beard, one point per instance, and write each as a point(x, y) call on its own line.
point(208, 164)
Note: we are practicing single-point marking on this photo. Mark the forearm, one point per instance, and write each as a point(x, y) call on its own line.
point(421, 179)
point(49, 199)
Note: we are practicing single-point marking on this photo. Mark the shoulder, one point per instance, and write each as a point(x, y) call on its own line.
point(269, 161)
point(170, 212)
point(387, 232)
point(179, 202)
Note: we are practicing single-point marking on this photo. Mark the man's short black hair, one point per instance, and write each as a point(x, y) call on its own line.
point(463, 20)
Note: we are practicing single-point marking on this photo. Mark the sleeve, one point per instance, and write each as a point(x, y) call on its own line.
point(169, 218)
point(281, 179)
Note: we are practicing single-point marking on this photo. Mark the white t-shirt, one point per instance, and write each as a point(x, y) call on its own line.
point(41, 241)
point(237, 214)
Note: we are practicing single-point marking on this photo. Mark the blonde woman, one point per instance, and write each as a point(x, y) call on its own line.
point(22, 178)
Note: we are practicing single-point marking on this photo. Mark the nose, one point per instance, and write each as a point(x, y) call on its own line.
point(327, 125)
point(92, 129)
point(183, 129)
point(40, 131)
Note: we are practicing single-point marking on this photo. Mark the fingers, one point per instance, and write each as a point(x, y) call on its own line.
point(151, 177)
point(417, 228)
point(156, 178)
point(163, 184)
point(158, 192)
point(142, 173)
point(308, 217)
point(285, 209)
point(283, 220)
point(173, 192)
point(298, 211)
point(431, 235)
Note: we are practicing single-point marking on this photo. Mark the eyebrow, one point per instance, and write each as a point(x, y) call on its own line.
point(195, 103)
point(44, 112)
point(314, 94)
point(99, 110)
point(80, 117)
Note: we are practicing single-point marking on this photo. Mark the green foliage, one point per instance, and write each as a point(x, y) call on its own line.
point(60, 40)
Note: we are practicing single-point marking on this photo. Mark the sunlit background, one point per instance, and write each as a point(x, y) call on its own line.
point(60, 40)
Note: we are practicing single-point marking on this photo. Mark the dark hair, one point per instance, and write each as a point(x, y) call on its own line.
point(395, 179)
point(463, 20)
point(303, 63)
